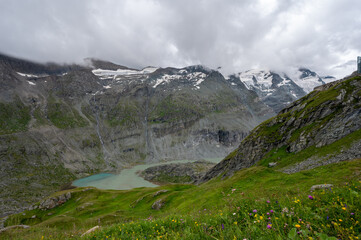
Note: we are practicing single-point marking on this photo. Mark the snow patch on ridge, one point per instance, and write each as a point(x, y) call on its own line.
point(284, 82)
point(165, 79)
point(105, 73)
point(256, 79)
point(196, 78)
point(27, 75)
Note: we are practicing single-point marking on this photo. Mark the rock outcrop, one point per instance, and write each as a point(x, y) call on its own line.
point(177, 172)
point(52, 202)
point(157, 205)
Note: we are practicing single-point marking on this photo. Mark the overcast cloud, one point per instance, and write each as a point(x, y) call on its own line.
point(323, 35)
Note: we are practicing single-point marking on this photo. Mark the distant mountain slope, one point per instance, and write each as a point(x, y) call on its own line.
point(58, 123)
point(329, 115)
point(308, 80)
point(61, 122)
point(275, 91)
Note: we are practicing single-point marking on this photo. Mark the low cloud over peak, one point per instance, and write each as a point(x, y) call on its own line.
point(237, 35)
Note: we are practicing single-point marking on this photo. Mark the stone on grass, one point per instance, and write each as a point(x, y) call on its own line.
point(320, 186)
point(272, 164)
point(53, 202)
point(159, 192)
point(157, 205)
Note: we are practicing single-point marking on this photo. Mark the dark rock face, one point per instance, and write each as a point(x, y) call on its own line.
point(324, 116)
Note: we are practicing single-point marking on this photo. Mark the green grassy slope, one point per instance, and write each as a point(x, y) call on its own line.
point(64, 116)
point(14, 117)
point(132, 210)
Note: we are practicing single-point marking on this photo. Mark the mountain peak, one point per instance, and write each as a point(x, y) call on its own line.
point(101, 64)
point(199, 68)
point(275, 89)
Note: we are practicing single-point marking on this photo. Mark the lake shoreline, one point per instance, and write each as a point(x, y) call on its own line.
point(126, 179)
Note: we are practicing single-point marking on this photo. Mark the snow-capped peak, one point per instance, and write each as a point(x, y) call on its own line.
point(256, 78)
point(198, 68)
point(275, 89)
point(307, 79)
point(195, 78)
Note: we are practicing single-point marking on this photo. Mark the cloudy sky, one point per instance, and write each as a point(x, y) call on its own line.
point(324, 35)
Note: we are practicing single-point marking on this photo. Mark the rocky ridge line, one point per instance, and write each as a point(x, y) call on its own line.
point(324, 116)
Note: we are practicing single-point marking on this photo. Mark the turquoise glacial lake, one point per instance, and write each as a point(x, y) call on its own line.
point(126, 179)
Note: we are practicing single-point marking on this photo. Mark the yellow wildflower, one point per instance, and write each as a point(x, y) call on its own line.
point(297, 225)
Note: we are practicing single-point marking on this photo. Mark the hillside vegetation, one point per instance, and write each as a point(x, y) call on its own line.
point(257, 202)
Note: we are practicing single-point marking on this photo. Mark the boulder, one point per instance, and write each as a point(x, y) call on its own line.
point(320, 186)
point(157, 205)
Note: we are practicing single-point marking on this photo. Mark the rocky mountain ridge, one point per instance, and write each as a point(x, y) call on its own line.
point(323, 117)
point(59, 123)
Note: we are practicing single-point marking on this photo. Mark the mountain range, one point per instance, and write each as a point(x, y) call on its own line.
point(296, 175)
point(62, 122)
